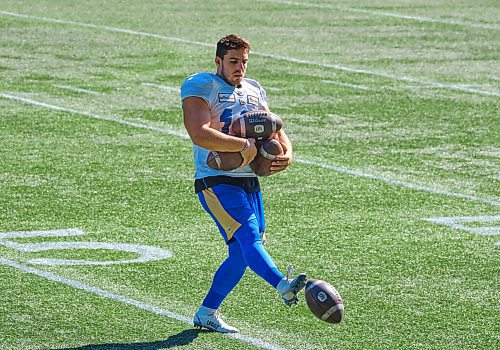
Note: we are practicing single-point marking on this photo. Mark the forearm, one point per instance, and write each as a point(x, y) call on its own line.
point(215, 140)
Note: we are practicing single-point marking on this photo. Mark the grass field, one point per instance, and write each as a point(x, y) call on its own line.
point(393, 110)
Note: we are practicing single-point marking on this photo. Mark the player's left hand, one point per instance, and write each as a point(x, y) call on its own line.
point(281, 162)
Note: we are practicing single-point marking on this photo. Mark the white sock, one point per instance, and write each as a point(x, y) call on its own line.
point(203, 310)
point(282, 286)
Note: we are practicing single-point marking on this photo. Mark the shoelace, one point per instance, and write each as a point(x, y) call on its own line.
point(217, 315)
point(289, 272)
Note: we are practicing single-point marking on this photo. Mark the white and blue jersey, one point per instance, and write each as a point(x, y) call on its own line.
point(225, 102)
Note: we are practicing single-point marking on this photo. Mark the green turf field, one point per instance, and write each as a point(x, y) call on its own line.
point(393, 108)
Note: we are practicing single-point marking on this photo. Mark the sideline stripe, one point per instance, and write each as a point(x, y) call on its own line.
point(95, 116)
point(397, 182)
point(457, 223)
point(386, 14)
point(163, 87)
point(354, 86)
point(339, 169)
point(378, 74)
point(112, 29)
point(276, 57)
point(138, 304)
point(72, 88)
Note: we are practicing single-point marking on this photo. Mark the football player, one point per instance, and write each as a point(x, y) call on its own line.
point(232, 198)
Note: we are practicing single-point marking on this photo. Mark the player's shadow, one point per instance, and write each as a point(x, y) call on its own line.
point(183, 338)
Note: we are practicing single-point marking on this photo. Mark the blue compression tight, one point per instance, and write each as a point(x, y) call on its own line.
point(247, 250)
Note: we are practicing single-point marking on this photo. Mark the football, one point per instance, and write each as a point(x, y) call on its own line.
point(258, 125)
point(224, 160)
point(324, 301)
point(268, 149)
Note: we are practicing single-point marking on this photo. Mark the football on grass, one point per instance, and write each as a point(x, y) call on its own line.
point(257, 125)
point(324, 301)
point(268, 149)
point(224, 160)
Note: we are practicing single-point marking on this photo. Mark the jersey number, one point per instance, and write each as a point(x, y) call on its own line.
point(227, 117)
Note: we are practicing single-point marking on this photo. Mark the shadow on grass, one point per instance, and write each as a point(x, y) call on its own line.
point(183, 338)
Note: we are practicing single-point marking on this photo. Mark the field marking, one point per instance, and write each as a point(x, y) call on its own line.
point(65, 232)
point(339, 169)
point(272, 56)
point(416, 86)
point(386, 14)
point(270, 88)
point(163, 87)
point(457, 223)
point(354, 86)
point(111, 29)
point(388, 180)
point(95, 116)
point(75, 89)
point(138, 304)
point(146, 253)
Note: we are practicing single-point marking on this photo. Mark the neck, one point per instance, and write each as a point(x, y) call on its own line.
point(223, 77)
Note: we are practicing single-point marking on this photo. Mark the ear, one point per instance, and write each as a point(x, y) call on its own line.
point(218, 61)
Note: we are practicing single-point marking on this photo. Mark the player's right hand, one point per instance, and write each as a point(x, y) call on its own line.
point(248, 152)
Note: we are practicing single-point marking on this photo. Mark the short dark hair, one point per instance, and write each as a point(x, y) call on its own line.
point(231, 42)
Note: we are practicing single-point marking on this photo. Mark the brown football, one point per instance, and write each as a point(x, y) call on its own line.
point(324, 301)
point(258, 125)
point(268, 150)
point(224, 160)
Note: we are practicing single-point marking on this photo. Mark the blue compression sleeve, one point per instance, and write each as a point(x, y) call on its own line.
point(257, 258)
point(226, 277)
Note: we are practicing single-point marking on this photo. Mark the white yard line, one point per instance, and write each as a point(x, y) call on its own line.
point(378, 74)
point(93, 115)
point(459, 223)
point(136, 303)
point(108, 28)
point(163, 87)
point(354, 86)
point(469, 86)
point(388, 180)
point(72, 88)
point(302, 161)
point(277, 57)
point(269, 88)
point(387, 14)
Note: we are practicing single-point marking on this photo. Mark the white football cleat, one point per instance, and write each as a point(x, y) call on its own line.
point(289, 289)
point(211, 319)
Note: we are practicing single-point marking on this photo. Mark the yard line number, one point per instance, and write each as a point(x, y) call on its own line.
point(145, 253)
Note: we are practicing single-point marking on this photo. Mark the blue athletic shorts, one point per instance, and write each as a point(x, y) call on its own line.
point(231, 206)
